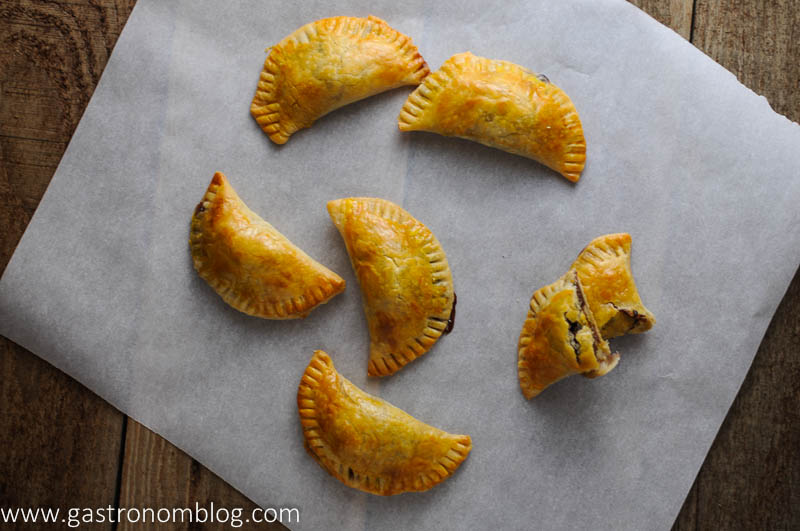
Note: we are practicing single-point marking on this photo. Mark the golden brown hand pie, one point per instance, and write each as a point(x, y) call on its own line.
point(405, 280)
point(604, 269)
point(327, 64)
point(252, 266)
point(367, 443)
point(560, 338)
point(501, 105)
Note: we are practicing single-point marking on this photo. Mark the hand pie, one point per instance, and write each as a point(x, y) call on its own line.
point(560, 338)
point(327, 64)
point(367, 443)
point(604, 269)
point(501, 105)
point(405, 280)
point(252, 266)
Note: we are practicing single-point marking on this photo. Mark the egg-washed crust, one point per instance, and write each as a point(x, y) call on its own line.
point(604, 269)
point(502, 105)
point(560, 338)
point(367, 443)
point(251, 265)
point(327, 64)
point(406, 283)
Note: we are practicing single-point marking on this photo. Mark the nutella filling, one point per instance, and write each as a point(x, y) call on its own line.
point(574, 328)
point(451, 321)
point(634, 316)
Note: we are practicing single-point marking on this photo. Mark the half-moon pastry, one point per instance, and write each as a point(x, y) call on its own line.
point(406, 285)
point(501, 105)
point(251, 265)
point(367, 443)
point(560, 338)
point(604, 269)
point(327, 64)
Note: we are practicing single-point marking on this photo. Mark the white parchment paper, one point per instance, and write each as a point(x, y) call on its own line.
point(694, 165)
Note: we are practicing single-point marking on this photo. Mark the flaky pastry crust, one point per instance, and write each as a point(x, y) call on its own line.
point(406, 284)
point(560, 338)
point(604, 269)
point(251, 265)
point(327, 64)
point(501, 105)
point(367, 443)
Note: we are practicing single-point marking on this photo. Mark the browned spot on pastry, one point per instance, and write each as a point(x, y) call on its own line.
point(218, 179)
point(386, 327)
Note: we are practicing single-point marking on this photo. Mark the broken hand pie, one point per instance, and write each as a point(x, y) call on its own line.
point(560, 338)
point(604, 269)
point(251, 265)
point(501, 105)
point(367, 443)
point(327, 64)
point(569, 320)
point(406, 285)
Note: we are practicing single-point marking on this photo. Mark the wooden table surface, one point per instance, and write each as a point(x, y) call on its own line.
point(62, 446)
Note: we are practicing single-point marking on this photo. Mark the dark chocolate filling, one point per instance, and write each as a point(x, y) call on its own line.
point(451, 321)
point(574, 328)
point(633, 314)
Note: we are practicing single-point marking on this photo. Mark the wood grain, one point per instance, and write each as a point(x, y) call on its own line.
point(676, 14)
point(63, 446)
point(157, 474)
point(759, 41)
point(60, 442)
point(751, 476)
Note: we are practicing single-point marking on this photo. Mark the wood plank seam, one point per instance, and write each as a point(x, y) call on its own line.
point(120, 465)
